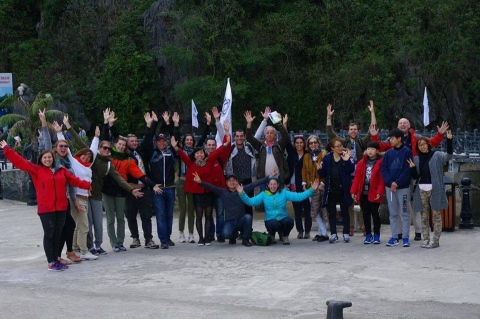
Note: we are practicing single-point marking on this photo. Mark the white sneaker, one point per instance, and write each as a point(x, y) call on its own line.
point(182, 238)
point(88, 256)
point(191, 239)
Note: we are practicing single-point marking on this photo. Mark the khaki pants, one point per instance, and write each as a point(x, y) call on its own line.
point(81, 221)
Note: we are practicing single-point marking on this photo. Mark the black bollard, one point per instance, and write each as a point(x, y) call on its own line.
point(466, 213)
point(335, 308)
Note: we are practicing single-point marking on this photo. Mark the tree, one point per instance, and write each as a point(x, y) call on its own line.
point(24, 120)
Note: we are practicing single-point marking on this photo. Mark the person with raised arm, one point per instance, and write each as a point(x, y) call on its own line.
point(337, 168)
point(202, 163)
point(275, 198)
point(429, 191)
point(50, 182)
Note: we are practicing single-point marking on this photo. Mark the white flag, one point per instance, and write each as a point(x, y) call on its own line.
point(426, 109)
point(226, 113)
point(194, 115)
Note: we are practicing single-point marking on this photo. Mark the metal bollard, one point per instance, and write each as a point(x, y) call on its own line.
point(335, 308)
point(466, 212)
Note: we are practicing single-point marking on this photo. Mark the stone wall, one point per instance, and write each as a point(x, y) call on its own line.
point(15, 184)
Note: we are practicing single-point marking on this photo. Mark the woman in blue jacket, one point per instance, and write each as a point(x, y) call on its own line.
point(337, 169)
point(275, 200)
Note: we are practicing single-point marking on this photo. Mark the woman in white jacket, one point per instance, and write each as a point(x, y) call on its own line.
point(81, 165)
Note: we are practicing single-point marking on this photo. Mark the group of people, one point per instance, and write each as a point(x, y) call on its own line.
point(124, 178)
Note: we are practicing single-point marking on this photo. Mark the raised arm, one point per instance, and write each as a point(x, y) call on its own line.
point(76, 138)
point(248, 132)
point(47, 141)
point(331, 134)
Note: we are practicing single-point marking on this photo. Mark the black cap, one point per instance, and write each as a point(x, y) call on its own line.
point(230, 176)
point(373, 144)
point(160, 137)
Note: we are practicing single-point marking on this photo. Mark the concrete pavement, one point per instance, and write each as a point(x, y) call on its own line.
point(222, 281)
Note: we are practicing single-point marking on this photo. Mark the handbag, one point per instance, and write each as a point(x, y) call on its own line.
point(261, 239)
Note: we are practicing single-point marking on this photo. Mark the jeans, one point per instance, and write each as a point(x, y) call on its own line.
point(142, 205)
point(282, 226)
point(219, 209)
point(163, 205)
point(243, 225)
point(52, 227)
point(95, 223)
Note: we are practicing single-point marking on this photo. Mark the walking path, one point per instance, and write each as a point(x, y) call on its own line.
point(222, 281)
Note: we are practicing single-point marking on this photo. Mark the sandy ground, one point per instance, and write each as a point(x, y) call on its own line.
point(222, 281)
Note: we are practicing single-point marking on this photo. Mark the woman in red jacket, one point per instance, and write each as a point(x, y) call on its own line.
point(50, 185)
point(367, 189)
point(202, 164)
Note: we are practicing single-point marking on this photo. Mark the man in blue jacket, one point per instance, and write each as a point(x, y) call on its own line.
point(396, 174)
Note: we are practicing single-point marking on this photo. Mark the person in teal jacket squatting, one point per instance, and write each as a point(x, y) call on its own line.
point(274, 198)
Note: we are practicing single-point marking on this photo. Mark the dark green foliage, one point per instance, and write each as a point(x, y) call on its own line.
point(293, 55)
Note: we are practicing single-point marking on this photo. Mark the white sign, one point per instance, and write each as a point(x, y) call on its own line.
point(6, 84)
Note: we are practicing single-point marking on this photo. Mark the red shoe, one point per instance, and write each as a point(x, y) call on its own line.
point(351, 233)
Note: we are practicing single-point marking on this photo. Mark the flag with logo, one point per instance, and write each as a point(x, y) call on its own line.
point(194, 115)
point(226, 113)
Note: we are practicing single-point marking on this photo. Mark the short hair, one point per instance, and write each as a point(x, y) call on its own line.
point(396, 132)
point(354, 124)
point(331, 143)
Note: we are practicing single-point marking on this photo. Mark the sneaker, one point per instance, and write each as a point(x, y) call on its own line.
point(121, 247)
point(93, 251)
point(88, 256)
point(376, 239)
point(346, 238)
point(333, 239)
point(60, 265)
point(322, 238)
point(433, 245)
point(201, 242)
point(316, 238)
point(191, 239)
point(425, 243)
point(116, 249)
point(368, 239)
point(170, 243)
point(208, 241)
point(53, 266)
point(232, 241)
point(246, 243)
point(392, 242)
point(306, 236)
point(418, 237)
point(136, 243)
point(285, 240)
point(164, 245)
point(300, 235)
point(181, 238)
point(151, 244)
point(406, 242)
point(101, 251)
